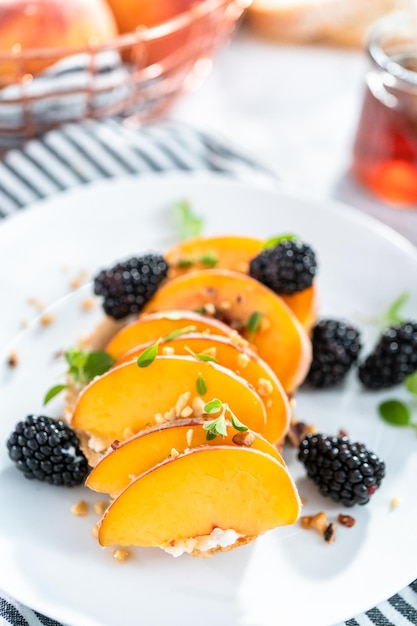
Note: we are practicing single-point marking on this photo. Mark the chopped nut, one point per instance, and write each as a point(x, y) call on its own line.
point(167, 350)
point(342, 432)
point(127, 433)
point(187, 411)
point(211, 352)
point(198, 405)
point(120, 554)
point(189, 436)
point(244, 439)
point(13, 360)
point(209, 309)
point(319, 522)
point(47, 319)
point(394, 503)
point(80, 508)
point(264, 387)
point(174, 453)
point(303, 501)
point(88, 304)
point(79, 279)
point(182, 403)
point(94, 530)
point(115, 444)
point(224, 305)
point(264, 324)
point(38, 304)
point(243, 360)
point(346, 520)
point(99, 507)
point(159, 418)
point(237, 340)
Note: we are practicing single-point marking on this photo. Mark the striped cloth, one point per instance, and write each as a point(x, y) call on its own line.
point(82, 153)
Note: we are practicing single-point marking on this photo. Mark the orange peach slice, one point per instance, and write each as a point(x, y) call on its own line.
point(234, 252)
point(280, 339)
point(151, 327)
point(128, 398)
point(244, 362)
point(148, 448)
point(206, 488)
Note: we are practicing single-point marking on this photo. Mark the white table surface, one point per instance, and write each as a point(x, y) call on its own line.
point(295, 109)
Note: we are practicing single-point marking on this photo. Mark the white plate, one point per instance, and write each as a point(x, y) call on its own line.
point(290, 576)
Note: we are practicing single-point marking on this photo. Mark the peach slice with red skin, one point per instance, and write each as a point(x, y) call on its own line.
point(208, 487)
point(152, 327)
point(234, 252)
point(126, 399)
point(244, 362)
point(136, 455)
point(280, 339)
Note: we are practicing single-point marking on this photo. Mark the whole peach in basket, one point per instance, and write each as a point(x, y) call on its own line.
point(48, 24)
point(130, 14)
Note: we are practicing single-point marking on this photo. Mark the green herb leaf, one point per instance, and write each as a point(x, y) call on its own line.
point(190, 225)
point(214, 406)
point(411, 383)
point(392, 315)
point(201, 385)
point(52, 392)
point(180, 331)
point(84, 366)
point(148, 356)
point(395, 412)
point(274, 241)
point(185, 263)
point(253, 323)
point(216, 427)
point(237, 424)
point(209, 259)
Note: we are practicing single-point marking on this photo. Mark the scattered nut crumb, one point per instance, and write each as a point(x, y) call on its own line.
point(120, 554)
point(346, 520)
point(186, 411)
point(237, 340)
point(47, 319)
point(38, 304)
point(211, 352)
point(243, 360)
point(198, 405)
point(209, 309)
point(88, 304)
point(303, 501)
point(342, 432)
point(320, 523)
point(13, 360)
point(244, 439)
point(167, 350)
point(94, 530)
point(79, 279)
point(115, 444)
point(189, 436)
point(80, 508)
point(394, 503)
point(99, 507)
point(174, 453)
point(264, 387)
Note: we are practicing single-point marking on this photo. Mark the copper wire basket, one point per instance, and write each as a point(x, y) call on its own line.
point(139, 74)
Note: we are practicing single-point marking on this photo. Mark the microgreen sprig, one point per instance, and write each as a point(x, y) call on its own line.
point(253, 324)
point(217, 426)
point(83, 367)
point(190, 225)
point(148, 356)
point(398, 413)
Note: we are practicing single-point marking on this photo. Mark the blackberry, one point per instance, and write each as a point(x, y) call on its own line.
point(344, 471)
point(129, 285)
point(287, 268)
point(336, 346)
point(393, 358)
point(48, 450)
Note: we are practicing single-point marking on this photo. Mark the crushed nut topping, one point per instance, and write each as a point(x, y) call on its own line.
point(198, 405)
point(35, 302)
point(167, 350)
point(189, 436)
point(13, 360)
point(94, 530)
point(394, 503)
point(264, 324)
point(88, 304)
point(174, 453)
point(80, 509)
point(320, 523)
point(47, 319)
point(243, 360)
point(244, 439)
point(120, 554)
point(99, 507)
point(264, 387)
point(237, 340)
point(79, 280)
point(346, 520)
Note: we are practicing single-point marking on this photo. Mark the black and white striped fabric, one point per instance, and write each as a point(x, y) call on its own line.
point(82, 153)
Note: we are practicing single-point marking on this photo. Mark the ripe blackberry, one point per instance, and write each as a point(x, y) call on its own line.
point(336, 346)
point(48, 450)
point(129, 285)
point(287, 268)
point(393, 358)
point(344, 471)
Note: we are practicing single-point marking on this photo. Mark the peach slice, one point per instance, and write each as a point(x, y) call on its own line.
point(148, 448)
point(244, 362)
point(209, 487)
point(128, 399)
point(280, 338)
point(234, 252)
point(151, 327)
